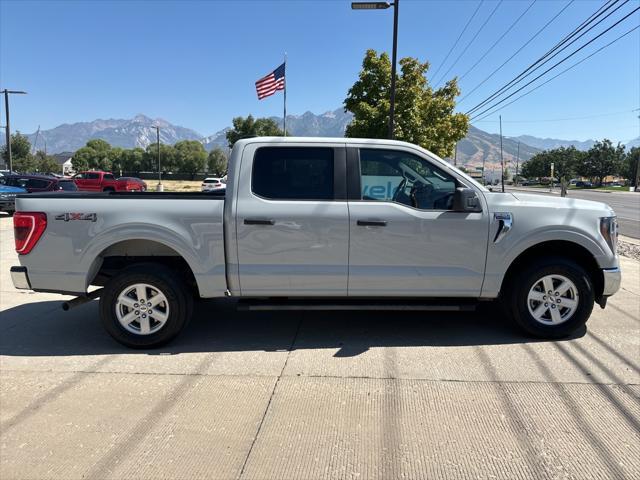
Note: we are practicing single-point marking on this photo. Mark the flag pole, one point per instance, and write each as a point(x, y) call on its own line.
point(284, 118)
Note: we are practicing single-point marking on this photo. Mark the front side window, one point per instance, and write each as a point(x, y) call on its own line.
point(109, 176)
point(293, 173)
point(92, 176)
point(397, 176)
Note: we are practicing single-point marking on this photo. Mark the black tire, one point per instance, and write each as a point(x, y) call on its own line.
point(179, 303)
point(516, 298)
point(109, 189)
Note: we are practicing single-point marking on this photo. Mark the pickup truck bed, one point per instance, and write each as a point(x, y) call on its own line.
point(139, 225)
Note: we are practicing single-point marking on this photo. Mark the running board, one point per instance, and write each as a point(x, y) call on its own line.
point(262, 305)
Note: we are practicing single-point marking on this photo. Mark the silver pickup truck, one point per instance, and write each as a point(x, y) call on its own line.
point(320, 223)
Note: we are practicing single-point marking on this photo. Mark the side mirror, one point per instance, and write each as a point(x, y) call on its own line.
point(466, 200)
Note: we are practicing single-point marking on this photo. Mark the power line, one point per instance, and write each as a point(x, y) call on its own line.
point(551, 120)
point(470, 42)
point(458, 39)
point(535, 35)
point(563, 71)
point(498, 40)
point(558, 63)
point(550, 54)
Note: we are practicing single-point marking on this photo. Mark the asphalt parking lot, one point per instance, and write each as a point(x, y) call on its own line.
point(274, 395)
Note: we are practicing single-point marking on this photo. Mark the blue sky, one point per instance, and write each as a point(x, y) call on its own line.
point(194, 63)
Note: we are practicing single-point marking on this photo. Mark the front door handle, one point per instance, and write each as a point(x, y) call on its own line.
point(372, 223)
point(258, 221)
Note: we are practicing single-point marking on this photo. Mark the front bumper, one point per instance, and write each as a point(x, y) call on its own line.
point(612, 279)
point(20, 278)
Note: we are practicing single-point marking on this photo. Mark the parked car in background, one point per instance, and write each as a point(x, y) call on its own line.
point(8, 198)
point(106, 182)
point(581, 184)
point(39, 183)
point(212, 184)
point(132, 184)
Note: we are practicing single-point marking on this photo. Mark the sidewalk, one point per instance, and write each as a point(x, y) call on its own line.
point(556, 190)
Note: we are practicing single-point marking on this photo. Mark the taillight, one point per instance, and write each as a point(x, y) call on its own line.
point(28, 227)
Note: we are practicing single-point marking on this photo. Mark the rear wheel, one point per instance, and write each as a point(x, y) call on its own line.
point(145, 306)
point(109, 189)
point(552, 298)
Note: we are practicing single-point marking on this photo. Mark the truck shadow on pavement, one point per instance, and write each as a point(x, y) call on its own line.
point(43, 329)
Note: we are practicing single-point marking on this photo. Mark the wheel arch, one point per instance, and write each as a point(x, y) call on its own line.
point(125, 253)
point(559, 248)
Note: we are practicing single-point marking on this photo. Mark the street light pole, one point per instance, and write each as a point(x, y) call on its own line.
point(8, 127)
point(392, 94)
point(159, 187)
point(392, 103)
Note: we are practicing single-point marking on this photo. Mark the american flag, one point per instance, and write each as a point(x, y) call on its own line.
point(268, 85)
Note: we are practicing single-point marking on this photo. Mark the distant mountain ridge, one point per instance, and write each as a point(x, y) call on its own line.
point(476, 147)
point(126, 133)
point(551, 143)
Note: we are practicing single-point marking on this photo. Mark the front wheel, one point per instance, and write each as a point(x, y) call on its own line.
point(145, 306)
point(551, 298)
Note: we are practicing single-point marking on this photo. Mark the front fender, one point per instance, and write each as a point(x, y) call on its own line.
point(501, 255)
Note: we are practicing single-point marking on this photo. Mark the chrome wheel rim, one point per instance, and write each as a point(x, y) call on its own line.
point(553, 299)
point(142, 309)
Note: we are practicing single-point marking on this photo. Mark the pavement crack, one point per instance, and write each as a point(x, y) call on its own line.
point(266, 410)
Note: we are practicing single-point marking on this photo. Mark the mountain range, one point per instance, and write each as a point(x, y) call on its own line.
point(139, 131)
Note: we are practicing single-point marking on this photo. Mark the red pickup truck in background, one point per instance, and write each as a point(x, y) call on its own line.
point(106, 182)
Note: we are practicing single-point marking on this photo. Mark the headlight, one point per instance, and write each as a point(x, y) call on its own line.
point(7, 196)
point(609, 231)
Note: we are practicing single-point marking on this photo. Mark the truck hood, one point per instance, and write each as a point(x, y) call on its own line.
point(521, 199)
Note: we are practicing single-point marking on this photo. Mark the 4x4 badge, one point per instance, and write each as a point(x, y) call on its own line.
point(92, 217)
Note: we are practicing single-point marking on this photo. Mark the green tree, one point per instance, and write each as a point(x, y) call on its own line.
point(191, 156)
point(46, 163)
point(116, 158)
point(602, 160)
point(20, 152)
point(217, 161)
point(26, 164)
point(566, 162)
point(246, 127)
point(132, 160)
point(167, 158)
point(94, 155)
point(630, 166)
point(423, 116)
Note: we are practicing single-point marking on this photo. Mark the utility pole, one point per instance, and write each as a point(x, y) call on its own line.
point(517, 162)
point(159, 187)
point(7, 126)
point(455, 156)
point(501, 157)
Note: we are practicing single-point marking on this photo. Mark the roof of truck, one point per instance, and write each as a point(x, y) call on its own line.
point(376, 141)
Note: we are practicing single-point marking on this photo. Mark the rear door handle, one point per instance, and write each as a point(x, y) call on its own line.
point(258, 221)
point(372, 223)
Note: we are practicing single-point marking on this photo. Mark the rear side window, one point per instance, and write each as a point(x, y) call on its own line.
point(38, 184)
point(67, 186)
point(293, 173)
